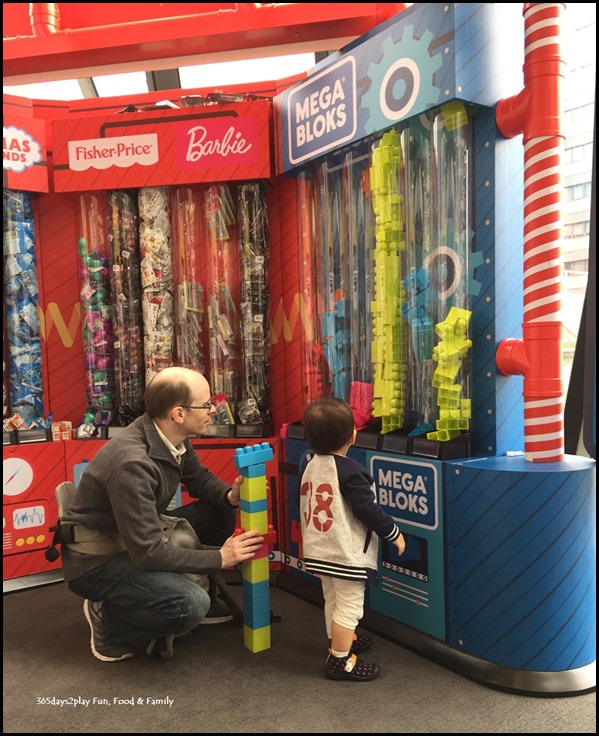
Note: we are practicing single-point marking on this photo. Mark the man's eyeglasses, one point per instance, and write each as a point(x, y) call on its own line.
point(207, 406)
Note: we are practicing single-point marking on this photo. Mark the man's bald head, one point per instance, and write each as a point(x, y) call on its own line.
point(173, 386)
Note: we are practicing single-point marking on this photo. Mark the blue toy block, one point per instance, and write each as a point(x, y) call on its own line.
point(253, 455)
point(328, 324)
point(253, 507)
point(256, 605)
point(253, 471)
point(342, 308)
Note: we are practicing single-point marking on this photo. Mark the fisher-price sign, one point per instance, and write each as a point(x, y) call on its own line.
point(124, 151)
point(228, 142)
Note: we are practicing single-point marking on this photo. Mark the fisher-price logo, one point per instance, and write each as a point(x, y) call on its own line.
point(20, 150)
point(123, 152)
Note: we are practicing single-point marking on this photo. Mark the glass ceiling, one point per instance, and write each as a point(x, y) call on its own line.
point(223, 74)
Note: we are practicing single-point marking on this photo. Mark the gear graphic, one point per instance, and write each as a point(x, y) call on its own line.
point(475, 259)
point(445, 268)
point(402, 81)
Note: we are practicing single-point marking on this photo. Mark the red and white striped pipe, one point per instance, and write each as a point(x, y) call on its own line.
point(536, 113)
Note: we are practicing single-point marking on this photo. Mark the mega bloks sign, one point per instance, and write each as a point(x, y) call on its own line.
point(427, 55)
point(24, 154)
point(228, 142)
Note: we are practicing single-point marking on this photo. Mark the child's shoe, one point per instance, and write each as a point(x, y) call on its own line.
point(362, 642)
point(350, 668)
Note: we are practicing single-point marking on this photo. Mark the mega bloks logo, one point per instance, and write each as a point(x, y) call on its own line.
point(321, 112)
point(407, 489)
point(122, 151)
point(20, 150)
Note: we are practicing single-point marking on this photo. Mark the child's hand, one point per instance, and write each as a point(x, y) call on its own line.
point(400, 543)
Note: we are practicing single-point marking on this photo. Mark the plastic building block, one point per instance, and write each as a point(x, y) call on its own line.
point(253, 455)
point(250, 461)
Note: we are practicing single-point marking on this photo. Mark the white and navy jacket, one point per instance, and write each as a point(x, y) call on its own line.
point(339, 513)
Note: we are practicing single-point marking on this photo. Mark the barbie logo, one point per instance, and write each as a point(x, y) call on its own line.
point(219, 142)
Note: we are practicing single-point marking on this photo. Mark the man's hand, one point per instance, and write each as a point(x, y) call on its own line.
point(240, 548)
point(233, 494)
point(400, 543)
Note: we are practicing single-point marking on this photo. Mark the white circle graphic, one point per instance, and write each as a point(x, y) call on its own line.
point(17, 476)
point(391, 78)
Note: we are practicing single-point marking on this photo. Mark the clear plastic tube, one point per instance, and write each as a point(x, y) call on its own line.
point(96, 307)
point(189, 289)
point(314, 368)
point(21, 299)
point(129, 364)
point(254, 406)
point(420, 304)
point(389, 344)
point(223, 292)
point(361, 268)
point(448, 267)
point(158, 305)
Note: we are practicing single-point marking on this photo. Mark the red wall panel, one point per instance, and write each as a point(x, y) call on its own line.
point(30, 476)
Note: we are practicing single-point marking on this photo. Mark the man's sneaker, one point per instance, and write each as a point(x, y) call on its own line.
point(102, 647)
point(218, 613)
point(162, 647)
point(350, 668)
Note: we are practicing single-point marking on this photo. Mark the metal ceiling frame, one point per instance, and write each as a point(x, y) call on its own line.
point(52, 41)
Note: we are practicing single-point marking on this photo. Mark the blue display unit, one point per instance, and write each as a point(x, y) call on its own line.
point(411, 587)
point(498, 578)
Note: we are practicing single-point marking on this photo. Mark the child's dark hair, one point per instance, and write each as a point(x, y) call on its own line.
point(329, 424)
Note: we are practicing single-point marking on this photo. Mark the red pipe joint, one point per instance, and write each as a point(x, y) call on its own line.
point(535, 110)
point(44, 18)
point(535, 358)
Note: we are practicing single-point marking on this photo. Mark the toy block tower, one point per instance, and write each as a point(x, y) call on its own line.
point(250, 461)
point(454, 411)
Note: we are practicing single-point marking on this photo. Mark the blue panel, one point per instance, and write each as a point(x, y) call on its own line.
point(521, 561)
point(411, 588)
point(497, 405)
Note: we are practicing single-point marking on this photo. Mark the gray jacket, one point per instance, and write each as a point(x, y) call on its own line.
point(339, 514)
point(129, 482)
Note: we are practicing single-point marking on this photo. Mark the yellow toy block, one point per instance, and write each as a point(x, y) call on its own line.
point(256, 571)
point(256, 640)
point(254, 489)
point(256, 520)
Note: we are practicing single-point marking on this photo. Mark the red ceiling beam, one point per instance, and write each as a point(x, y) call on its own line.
point(205, 32)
